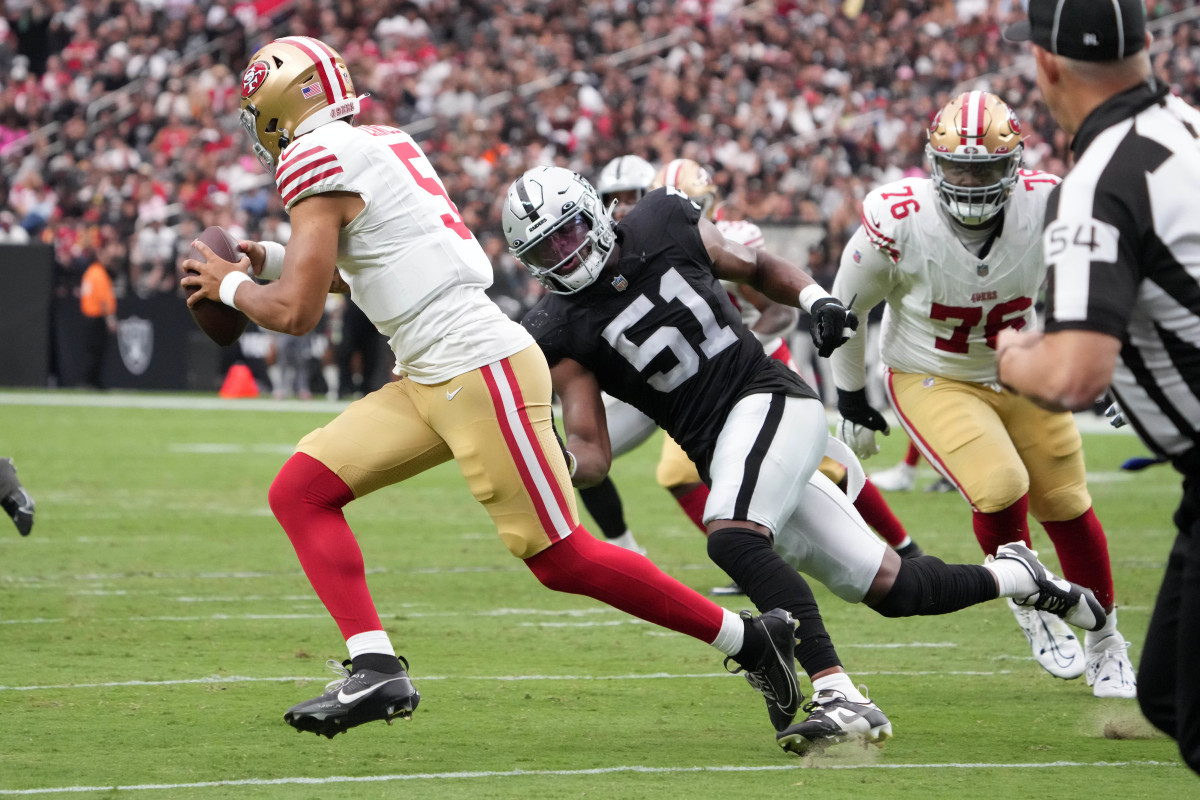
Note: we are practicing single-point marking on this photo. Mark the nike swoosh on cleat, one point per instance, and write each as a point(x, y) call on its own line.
point(847, 716)
point(350, 698)
point(450, 395)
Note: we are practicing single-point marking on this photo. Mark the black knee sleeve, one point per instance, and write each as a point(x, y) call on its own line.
point(770, 582)
point(927, 585)
point(604, 504)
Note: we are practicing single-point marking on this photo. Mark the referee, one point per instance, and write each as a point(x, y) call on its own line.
point(1122, 241)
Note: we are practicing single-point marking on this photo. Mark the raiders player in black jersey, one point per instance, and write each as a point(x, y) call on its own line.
point(636, 309)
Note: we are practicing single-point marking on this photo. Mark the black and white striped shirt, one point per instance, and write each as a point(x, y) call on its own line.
point(1122, 240)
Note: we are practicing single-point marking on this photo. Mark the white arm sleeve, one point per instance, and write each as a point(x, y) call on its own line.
point(866, 279)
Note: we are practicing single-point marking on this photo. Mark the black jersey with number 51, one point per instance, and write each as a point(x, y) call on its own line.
point(659, 332)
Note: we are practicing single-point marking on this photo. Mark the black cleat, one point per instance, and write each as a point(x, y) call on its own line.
point(14, 499)
point(775, 674)
point(941, 486)
point(1060, 597)
point(355, 698)
point(726, 591)
point(910, 550)
point(832, 719)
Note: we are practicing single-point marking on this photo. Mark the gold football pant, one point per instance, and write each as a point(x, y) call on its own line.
point(494, 421)
point(994, 445)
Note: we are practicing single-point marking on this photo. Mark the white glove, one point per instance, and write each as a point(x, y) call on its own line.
point(859, 438)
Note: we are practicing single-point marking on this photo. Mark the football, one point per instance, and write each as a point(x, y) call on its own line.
point(220, 322)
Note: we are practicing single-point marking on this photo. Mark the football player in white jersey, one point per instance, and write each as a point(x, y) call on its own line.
point(369, 213)
point(957, 258)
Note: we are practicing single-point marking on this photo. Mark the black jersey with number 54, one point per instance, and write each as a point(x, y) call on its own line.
point(659, 332)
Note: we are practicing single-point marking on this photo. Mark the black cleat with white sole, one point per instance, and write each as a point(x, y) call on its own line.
point(775, 673)
point(1060, 597)
point(14, 499)
point(355, 698)
point(833, 719)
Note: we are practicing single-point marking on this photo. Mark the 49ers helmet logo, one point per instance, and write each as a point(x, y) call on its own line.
point(254, 76)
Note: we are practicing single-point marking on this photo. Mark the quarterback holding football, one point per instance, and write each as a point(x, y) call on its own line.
point(369, 213)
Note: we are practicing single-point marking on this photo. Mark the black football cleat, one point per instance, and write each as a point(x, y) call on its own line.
point(775, 674)
point(1075, 604)
point(14, 499)
point(355, 698)
point(832, 719)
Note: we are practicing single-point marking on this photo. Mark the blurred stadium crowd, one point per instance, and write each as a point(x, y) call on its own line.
point(119, 136)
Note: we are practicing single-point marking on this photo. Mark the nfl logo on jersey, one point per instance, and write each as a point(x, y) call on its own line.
point(981, 270)
point(619, 283)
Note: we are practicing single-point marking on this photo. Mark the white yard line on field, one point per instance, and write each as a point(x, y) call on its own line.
point(526, 773)
point(650, 676)
point(163, 401)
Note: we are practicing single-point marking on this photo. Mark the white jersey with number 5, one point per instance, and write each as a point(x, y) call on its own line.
point(413, 267)
point(945, 302)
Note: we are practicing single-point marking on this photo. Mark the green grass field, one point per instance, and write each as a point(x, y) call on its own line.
point(156, 624)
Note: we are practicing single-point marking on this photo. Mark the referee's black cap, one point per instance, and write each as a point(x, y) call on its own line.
point(1086, 30)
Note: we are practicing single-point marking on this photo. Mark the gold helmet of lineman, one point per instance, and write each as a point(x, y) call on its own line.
point(974, 153)
point(293, 86)
point(685, 175)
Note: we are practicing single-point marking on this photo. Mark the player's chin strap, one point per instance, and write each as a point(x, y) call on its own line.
point(840, 452)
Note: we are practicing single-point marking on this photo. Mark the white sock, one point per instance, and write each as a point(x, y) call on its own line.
point(330, 373)
point(275, 375)
point(370, 642)
point(627, 541)
point(732, 634)
point(841, 682)
point(907, 541)
point(1095, 640)
point(1012, 577)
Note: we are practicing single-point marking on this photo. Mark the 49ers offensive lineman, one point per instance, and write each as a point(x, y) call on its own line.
point(369, 214)
point(957, 257)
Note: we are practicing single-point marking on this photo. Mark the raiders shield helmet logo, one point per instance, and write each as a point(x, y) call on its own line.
point(135, 340)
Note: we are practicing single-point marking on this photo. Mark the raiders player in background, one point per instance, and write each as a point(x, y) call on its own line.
point(958, 257)
point(637, 310)
point(370, 214)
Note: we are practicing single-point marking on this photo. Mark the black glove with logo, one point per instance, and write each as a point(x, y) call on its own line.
point(859, 423)
point(830, 319)
point(853, 406)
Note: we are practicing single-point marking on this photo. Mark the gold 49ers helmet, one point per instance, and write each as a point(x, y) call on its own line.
point(293, 86)
point(685, 175)
point(974, 153)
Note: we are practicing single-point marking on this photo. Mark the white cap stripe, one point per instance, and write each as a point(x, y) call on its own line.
point(326, 69)
point(330, 54)
point(1054, 31)
point(672, 176)
point(1120, 29)
point(972, 123)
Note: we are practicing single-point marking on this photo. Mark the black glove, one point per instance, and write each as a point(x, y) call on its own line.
point(853, 405)
point(567, 454)
point(830, 319)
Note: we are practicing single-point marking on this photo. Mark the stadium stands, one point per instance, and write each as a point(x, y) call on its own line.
point(117, 114)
